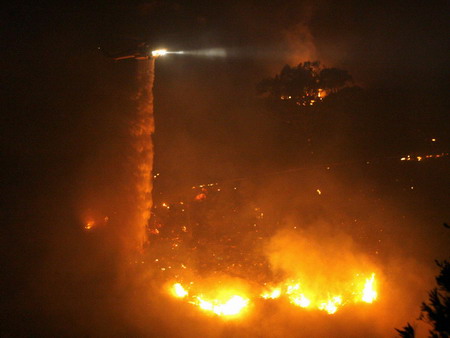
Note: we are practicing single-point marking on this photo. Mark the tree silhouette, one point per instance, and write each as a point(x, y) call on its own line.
point(333, 79)
point(304, 84)
point(407, 331)
point(437, 311)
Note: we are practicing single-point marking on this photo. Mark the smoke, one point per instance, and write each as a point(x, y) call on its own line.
point(321, 257)
point(141, 130)
point(118, 200)
point(300, 43)
point(86, 166)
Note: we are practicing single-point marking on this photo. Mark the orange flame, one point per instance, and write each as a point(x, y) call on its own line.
point(369, 292)
point(231, 304)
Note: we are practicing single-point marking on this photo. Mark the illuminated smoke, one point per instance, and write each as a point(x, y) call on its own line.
point(142, 129)
point(300, 43)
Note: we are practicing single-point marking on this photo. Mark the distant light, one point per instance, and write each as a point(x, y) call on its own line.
point(433, 140)
point(159, 52)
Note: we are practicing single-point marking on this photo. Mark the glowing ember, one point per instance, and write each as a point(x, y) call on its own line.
point(420, 158)
point(200, 197)
point(89, 225)
point(369, 293)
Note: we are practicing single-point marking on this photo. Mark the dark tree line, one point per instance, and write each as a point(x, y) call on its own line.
point(318, 115)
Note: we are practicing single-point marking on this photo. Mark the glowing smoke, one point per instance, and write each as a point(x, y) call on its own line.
point(141, 130)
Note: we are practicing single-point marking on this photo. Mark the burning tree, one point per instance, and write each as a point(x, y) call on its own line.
point(305, 84)
point(293, 94)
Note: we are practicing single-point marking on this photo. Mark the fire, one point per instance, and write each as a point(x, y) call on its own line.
point(179, 291)
point(331, 306)
point(227, 303)
point(231, 307)
point(89, 225)
point(301, 301)
point(273, 294)
point(355, 291)
point(420, 158)
point(200, 197)
point(369, 292)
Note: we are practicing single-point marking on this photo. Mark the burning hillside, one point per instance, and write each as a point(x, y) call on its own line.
point(225, 257)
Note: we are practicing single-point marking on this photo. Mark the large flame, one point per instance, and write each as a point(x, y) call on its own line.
point(369, 292)
point(179, 291)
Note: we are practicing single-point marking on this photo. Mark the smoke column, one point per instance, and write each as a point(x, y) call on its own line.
point(142, 129)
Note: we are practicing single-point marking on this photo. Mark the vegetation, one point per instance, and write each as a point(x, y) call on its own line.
point(305, 84)
point(436, 311)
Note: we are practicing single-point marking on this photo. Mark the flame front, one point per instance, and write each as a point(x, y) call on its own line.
point(355, 291)
point(228, 303)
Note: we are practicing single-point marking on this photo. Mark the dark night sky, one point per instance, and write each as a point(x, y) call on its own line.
point(63, 102)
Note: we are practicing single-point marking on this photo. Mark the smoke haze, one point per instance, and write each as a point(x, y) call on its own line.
point(70, 159)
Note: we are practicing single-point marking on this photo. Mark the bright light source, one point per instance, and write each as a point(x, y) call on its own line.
point(159, 52)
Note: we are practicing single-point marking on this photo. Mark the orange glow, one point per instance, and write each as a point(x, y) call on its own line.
point(301, 301)
point(369, 292)
point(331, 306)
point(200, 197)
point(420, 158)
point(358, 290)
point(231, 307)
point(273, 294)
point(226, 303)
point(179, 291)
point(321, 94)
point(89, 225)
